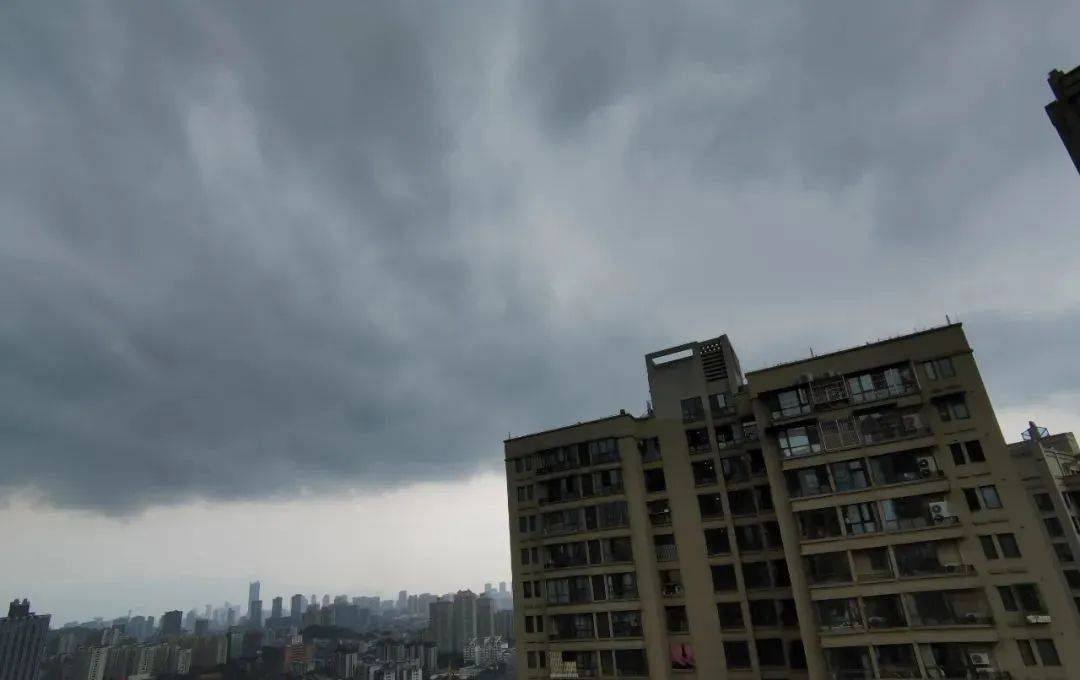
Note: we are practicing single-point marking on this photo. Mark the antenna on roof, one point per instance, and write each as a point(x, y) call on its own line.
point(947, 321)
point(811, 351)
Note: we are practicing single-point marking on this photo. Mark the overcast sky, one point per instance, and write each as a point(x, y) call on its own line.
point(278, 278)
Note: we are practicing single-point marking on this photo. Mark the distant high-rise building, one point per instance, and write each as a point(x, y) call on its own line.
point(488, 587)
point(98, 659)
point(464, 618)
point(253, 591)
point(22, 641)
point(402, 600)
point(276, 608)
point(296, 609)
point(485, 616)
point(209, 612)
point(326, 600)
point(230, 617)
point(441, 625)
point(1064, 111)
point(255, 614)
point(171, 622)
point(202, 626)
point(502, 587)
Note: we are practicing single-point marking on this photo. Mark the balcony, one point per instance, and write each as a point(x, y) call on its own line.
point(966, 619)
point(671, 590)
point(560, 529)
point(566, 562)
point(667, 553)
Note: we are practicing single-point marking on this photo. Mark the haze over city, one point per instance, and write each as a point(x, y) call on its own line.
point(279, 279)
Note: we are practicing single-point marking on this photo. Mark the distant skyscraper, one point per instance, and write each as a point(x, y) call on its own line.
point(502, 587)
point(202, 626)
point(98, 660)
point(275, 608)
point(1064, 111)
point(488, 588)
point(464, 618)
point(253, 592)
point(441, 624)
point(326, 600)
point(22, 641)
point(485, 616)
point(255, 614)
point(402, 600)
point(296, 609)
point(170, 622)
point(209, 612)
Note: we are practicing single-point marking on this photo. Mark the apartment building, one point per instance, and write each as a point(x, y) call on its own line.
point(826, 518)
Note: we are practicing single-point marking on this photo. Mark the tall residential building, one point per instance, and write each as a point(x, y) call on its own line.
point(441, 625)
point(275, 608)
point(171, 622)
point(22, 641)
point(255, 614)
point(296, 609)
point(402, 600)
point(485, 617)
point(464, 618)
point(1064, 111)
point(253, 591)
point(98, 658)
point(856, 514)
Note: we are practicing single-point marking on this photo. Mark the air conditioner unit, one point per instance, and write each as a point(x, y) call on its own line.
point(979, 659)
point(939, 510)
point(806, 377)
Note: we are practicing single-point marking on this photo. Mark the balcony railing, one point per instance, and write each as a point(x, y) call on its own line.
point(919, 522)
point(888, 431)
point(671, 589)
point(667, 553)
point(885, 392)
point(930, 569)
point(965, 673)
point(559, 529)
point(966, 619)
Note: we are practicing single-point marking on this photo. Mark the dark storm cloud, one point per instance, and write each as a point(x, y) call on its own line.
point(256, 250)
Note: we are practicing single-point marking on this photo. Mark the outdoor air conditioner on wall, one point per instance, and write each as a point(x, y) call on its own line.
point(979, 659)
point(927, 465)
point(939, 510)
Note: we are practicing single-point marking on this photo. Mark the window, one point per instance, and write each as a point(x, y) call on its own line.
point(1043, 502)
point(697, 440)
point(723, 577)
point(1026, 652)
point(773, 539)
point(821, 523)
point(1008, 600)
point(737, 654)
point(659, 512)
point(1047, 652)
point(1027, 594)
point(710, 505)
point(851, 475)
point(860, 518)
point(953, 408)
point(939, 368)
point(763, 613)
point(682, 656)
point(756, 575)
point(808, 481)
point(649, 449)
point(794, 402)
point(990, 498)
point(748, 537)
point(692, 410)
point(799, 441)
point(972, 498)
point(720, 403)
point(524, 555)
point(523, 524)
point(730, 614)
point(1063, 552)
point(1073, 577)
point(967, 452)
point(529, 624)
point(676, 619)
point(704, 472)
point(717, 542)
point(530, 659)
point(1053, 527)
point(770, 652)
point(741, 502)
point(988, 547)
point(654, 480)
point(975, 451)
point(626, 624)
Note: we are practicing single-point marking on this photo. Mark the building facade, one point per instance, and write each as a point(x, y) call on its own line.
point(1064, 111)
point(824, 518)
point(22, 641)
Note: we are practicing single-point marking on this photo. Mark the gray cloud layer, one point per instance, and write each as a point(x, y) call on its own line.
point(254, 251)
